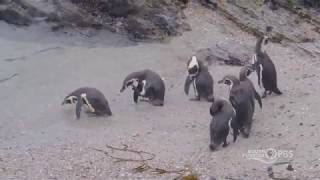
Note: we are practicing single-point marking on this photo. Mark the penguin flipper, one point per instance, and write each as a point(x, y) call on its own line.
point(135, 96)
point(258, 98)
point(78, 107)
point(108, 110)
point(187, 85)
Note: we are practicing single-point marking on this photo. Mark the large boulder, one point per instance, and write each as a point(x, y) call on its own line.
point(229, 53)
point(142, 20)
point(121, 8)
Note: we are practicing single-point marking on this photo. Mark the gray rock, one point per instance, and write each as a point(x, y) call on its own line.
point(12, 16)
point(121, 8)
point(230, 53)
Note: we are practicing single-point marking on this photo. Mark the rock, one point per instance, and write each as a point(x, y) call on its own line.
point(213, 4)
point(282, 107)
point(12, 16)
point(230, 53)
point(121, 8)
point(139, 28)
point(142, 20)
point(253, 17)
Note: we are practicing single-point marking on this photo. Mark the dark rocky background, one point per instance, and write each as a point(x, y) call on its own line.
point(157, 20)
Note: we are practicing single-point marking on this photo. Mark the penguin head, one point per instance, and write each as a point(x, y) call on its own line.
point(264, 44)
point(216, 107)
point(261, 44)
point(193, 67)
point(134, 82)
point(70, 100)
point(230, 81)
point(245, 72)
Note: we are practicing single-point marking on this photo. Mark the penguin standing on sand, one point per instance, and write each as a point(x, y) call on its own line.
point(266, 71)
point(223, 115)
point(92, 98)
point(243, 77)
point(240, 96)
point(146, 84)
point(201, 79)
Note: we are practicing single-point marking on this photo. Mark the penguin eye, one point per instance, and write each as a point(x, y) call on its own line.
point(68, 101)
point(129, 83)
point(227, 82)
point(248, 72)
point(74, 100)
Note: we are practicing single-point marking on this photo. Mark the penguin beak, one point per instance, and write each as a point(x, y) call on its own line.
point(122, 89)
point(220, 82)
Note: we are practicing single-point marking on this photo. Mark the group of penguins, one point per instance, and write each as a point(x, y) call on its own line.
point(234, 113)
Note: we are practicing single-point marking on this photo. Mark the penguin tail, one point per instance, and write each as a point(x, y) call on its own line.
point(277, 91)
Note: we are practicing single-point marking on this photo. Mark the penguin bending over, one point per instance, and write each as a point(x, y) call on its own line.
point(243, 77)
point(201, 79)
point(92, 98)
point(266, 71)
point(240, 96)
point(146, 84)
point(223, 115)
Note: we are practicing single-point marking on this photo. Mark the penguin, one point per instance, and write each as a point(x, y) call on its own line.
point(201, 79)
point(94, 100)
point(243, 77)
point(240, 96)
point(266, 71)
point(146, 84)
point(223, 114)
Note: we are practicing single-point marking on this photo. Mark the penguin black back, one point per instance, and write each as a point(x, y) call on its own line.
point(201, 79)
point(146, 83)
point(222, 114)
point(92, 98)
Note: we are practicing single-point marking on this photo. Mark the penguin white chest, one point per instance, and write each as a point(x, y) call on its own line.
point(195, 88)
point(143, 91)
point(255, 79)
point(87, 103)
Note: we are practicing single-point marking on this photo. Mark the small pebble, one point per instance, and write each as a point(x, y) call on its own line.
point(282, 106)
point(301, 124)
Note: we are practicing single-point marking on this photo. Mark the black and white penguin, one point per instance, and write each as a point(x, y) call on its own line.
point(223, 114)
point(92, 98)
point(266, 71)
point(243, 77)
point(240, 96)
point(200, 78)
point(146, 84)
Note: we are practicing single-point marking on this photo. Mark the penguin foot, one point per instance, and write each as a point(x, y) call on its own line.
point(195, 99)
point(157, 103)
point(264, 95)
point(210, 99)
point(245, 135)
point(225, 144)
